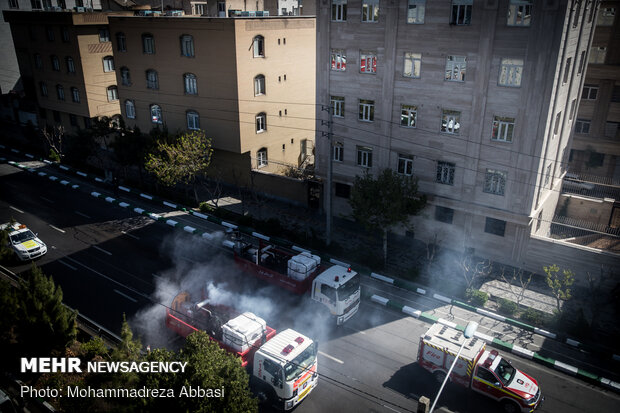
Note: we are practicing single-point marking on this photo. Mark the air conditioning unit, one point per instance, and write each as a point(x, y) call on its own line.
point(80, 9)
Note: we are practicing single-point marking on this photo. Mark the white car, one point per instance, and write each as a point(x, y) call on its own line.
point(24, 242)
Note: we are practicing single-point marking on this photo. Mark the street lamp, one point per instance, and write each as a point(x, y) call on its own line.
point(468, 333)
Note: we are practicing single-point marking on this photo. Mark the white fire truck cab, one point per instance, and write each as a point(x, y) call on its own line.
point(483, 371)
point(285, 369)
point(338, 288)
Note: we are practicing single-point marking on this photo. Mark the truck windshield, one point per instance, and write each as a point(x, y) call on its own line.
point(504, 371)
point(349, 288)
point(21, 237)
point(301, 363)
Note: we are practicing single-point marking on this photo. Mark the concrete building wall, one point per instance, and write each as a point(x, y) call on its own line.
point(537, 146)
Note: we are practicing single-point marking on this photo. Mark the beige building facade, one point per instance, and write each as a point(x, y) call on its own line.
point(66, 62)
point(475, 98)
point(247, 82)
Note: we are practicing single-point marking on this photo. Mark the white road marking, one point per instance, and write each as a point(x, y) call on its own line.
point(125, 295)
point(57, 229)
point(130, 235)
point(67, 265)
point(46, 199)
point(82, 215)
point(16, 209)
point(388, 407)
point(331, 358)
point(102, 250)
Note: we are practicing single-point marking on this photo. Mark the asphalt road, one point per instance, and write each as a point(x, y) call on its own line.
point(110, 262)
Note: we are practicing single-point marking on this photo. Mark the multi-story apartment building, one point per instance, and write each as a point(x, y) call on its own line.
point(66, 61)
point(596, 142)
point(475, 98)
point(248, 82)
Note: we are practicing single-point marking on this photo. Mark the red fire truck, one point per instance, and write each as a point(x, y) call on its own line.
point(483, 371)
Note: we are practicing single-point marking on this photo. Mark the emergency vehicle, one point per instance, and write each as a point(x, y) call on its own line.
point(23, 241)
point(282, 367)
point(336, 287)
point(483, 371)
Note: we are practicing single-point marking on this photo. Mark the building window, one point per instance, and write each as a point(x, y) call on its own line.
point(606, 16)
point(597, 55)
point(567, 69)
point(413, 64)
point(125, 76)
point(445, 173)
point(342, 190)
point(443, 214)
point(148, 44)
point(49, 32)
point(62, 4)
point(104, 35)
point(589, 92)
point(337, 105)
point(368, 62)
point(60, 92)
point(259, 46)
point(339, 59)
point(73, 120)
point(14, 4)
point(112, 93)
point(130, 109)
point(573, 108)
point(367, 110)
point(556, 126)
point(408, 116)
point(364, 156)
point(461, 12)
point(338, 152)
point(494, 182)
point(520, 13)
point(339, 10)
point(611, 130)
point(510, 72)
point(36, 4)
point(55, 63)
point(199, 9)
point(87, 122)
point(75, 94)
point(190, 84)
point(43, 87)
point(450, 121)
point(156, 114)
point(582, 62)
point(455, 68)
point(261, 157)
point(70, 65)
point(415, 11)
point(108, 64)
point(56, 115)
point(495, 226)
point(503, 129)
point(370, 11)
point(539, 221)
point(576, 14)
point(187, 45)
point(261, 122)
point(405, 164)
point(582, 126)
point(38, 63)
point(259, 85)
point(64, 32)
point(193, 120)
point(121, 42)
point(548, 175)
point(151, 79)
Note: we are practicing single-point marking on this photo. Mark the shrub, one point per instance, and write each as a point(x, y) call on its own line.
point(54, 156)
point(507, 307)
point(533, 316)
point(477, 297)
point(206, 207)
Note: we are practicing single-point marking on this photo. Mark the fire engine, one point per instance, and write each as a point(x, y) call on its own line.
point(483, 371)
point(25, 244)
point(282, 366)
point(334, 286)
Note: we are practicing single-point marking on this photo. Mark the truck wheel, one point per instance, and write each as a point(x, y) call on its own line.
point(509, 407)
point(440, 376)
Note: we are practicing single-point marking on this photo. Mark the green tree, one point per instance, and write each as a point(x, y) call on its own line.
point(559, 283)
point(208, 367)
point(184, 161)
point(42, 322)
point(382, 203)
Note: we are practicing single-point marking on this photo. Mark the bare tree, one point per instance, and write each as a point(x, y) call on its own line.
point(433, 248)
point(517, 284)
point(473, 268)
point(214, 187)
point(55, 139)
